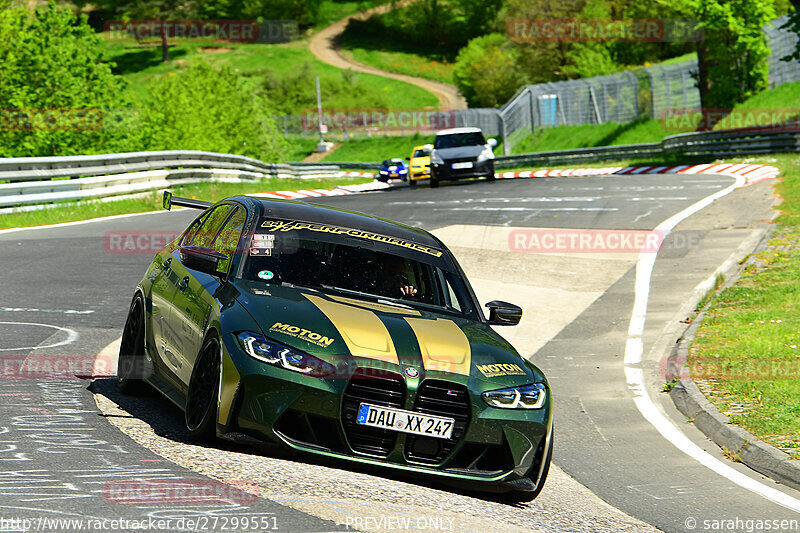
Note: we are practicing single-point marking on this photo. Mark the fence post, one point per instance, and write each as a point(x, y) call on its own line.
point(502, 124)
point(533, 111)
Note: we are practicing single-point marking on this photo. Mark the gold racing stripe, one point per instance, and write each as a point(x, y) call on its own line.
point(377, 307)
point(363, 332)
point(444, 346)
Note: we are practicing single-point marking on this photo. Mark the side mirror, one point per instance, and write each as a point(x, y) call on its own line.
point(206, 260)
point(428, 148)
point(492, 142)
point(408, 159)
point(167, 202)
point(504, 313)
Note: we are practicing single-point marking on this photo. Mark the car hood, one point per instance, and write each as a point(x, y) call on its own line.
point(421, 160)
point(458, 152)
point(389, 337)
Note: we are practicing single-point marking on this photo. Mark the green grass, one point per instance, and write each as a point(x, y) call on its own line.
point(401, 62)
point(394, 53)
point(330, 11)
point(140, 66)
point(210, 191)
point(589, 135)
point(751, 333)
point(780, 104)
point(375, 149)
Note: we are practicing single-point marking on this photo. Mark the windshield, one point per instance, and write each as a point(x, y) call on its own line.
point(459, 139)
point(356, 263)
point(420, 153)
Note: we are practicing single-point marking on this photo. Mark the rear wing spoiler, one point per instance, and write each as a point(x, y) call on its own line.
point(170, 200)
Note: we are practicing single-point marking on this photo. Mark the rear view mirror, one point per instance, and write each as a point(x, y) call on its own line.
point(492, 142)
point(428, 148)
point(205, 260)
point(504, 313)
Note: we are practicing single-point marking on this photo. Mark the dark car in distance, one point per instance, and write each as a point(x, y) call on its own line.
point(461, 153)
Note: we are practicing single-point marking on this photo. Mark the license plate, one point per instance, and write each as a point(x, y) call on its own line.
point(466, 164)
point(376, 416)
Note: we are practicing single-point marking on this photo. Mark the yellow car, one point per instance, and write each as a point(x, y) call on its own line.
point(420, 165)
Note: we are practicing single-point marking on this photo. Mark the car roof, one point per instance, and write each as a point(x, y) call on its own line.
point(320, 214)
point(453, 131)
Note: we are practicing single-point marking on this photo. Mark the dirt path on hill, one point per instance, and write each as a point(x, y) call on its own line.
point(323, 46)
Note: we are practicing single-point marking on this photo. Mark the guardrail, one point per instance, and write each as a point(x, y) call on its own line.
point(25, 181)
point(36, 180)
point(713, 144)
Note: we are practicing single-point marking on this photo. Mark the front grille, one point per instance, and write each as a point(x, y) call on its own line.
point(440, 398)
point(377, 388)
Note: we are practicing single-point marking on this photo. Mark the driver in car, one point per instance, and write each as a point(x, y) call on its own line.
point(393, 278)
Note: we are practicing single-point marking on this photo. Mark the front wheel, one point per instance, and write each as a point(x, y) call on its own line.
point(201, 400)
point(434, 181)
point(131, 362)
point(490, 175)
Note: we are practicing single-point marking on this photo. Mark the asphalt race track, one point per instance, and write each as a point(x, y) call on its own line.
point(66, 291)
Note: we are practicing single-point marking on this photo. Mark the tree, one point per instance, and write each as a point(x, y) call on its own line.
point(794, 25)
point(151, 10)
point(52, 69)
point(732, 55)
point(486, 71)
point(205, 108)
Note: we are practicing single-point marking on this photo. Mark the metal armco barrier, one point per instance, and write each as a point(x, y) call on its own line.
point(25, 181)
point(38, 180)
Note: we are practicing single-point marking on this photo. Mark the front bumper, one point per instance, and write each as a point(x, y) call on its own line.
point(420, 173)
point(447, 172)
point(498, 449)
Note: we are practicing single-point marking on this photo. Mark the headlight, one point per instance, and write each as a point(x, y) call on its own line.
point(436, 159)
point(384, 172)
point(402, 171)
point(527, 397)
point(268, 351)
point(486, 155)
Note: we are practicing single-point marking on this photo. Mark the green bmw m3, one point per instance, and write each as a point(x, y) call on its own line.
point(339, 334)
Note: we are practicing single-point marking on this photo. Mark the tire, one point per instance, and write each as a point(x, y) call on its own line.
point(132, 359)
point(434, 181)
point(412, 183)
point(201, 400)
point(520, 496)
point(490, 175)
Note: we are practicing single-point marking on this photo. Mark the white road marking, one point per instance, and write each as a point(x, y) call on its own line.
point(36, 310)
point(72, 336)
point(534, 209)
point(635, 375)
point(543, 199)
